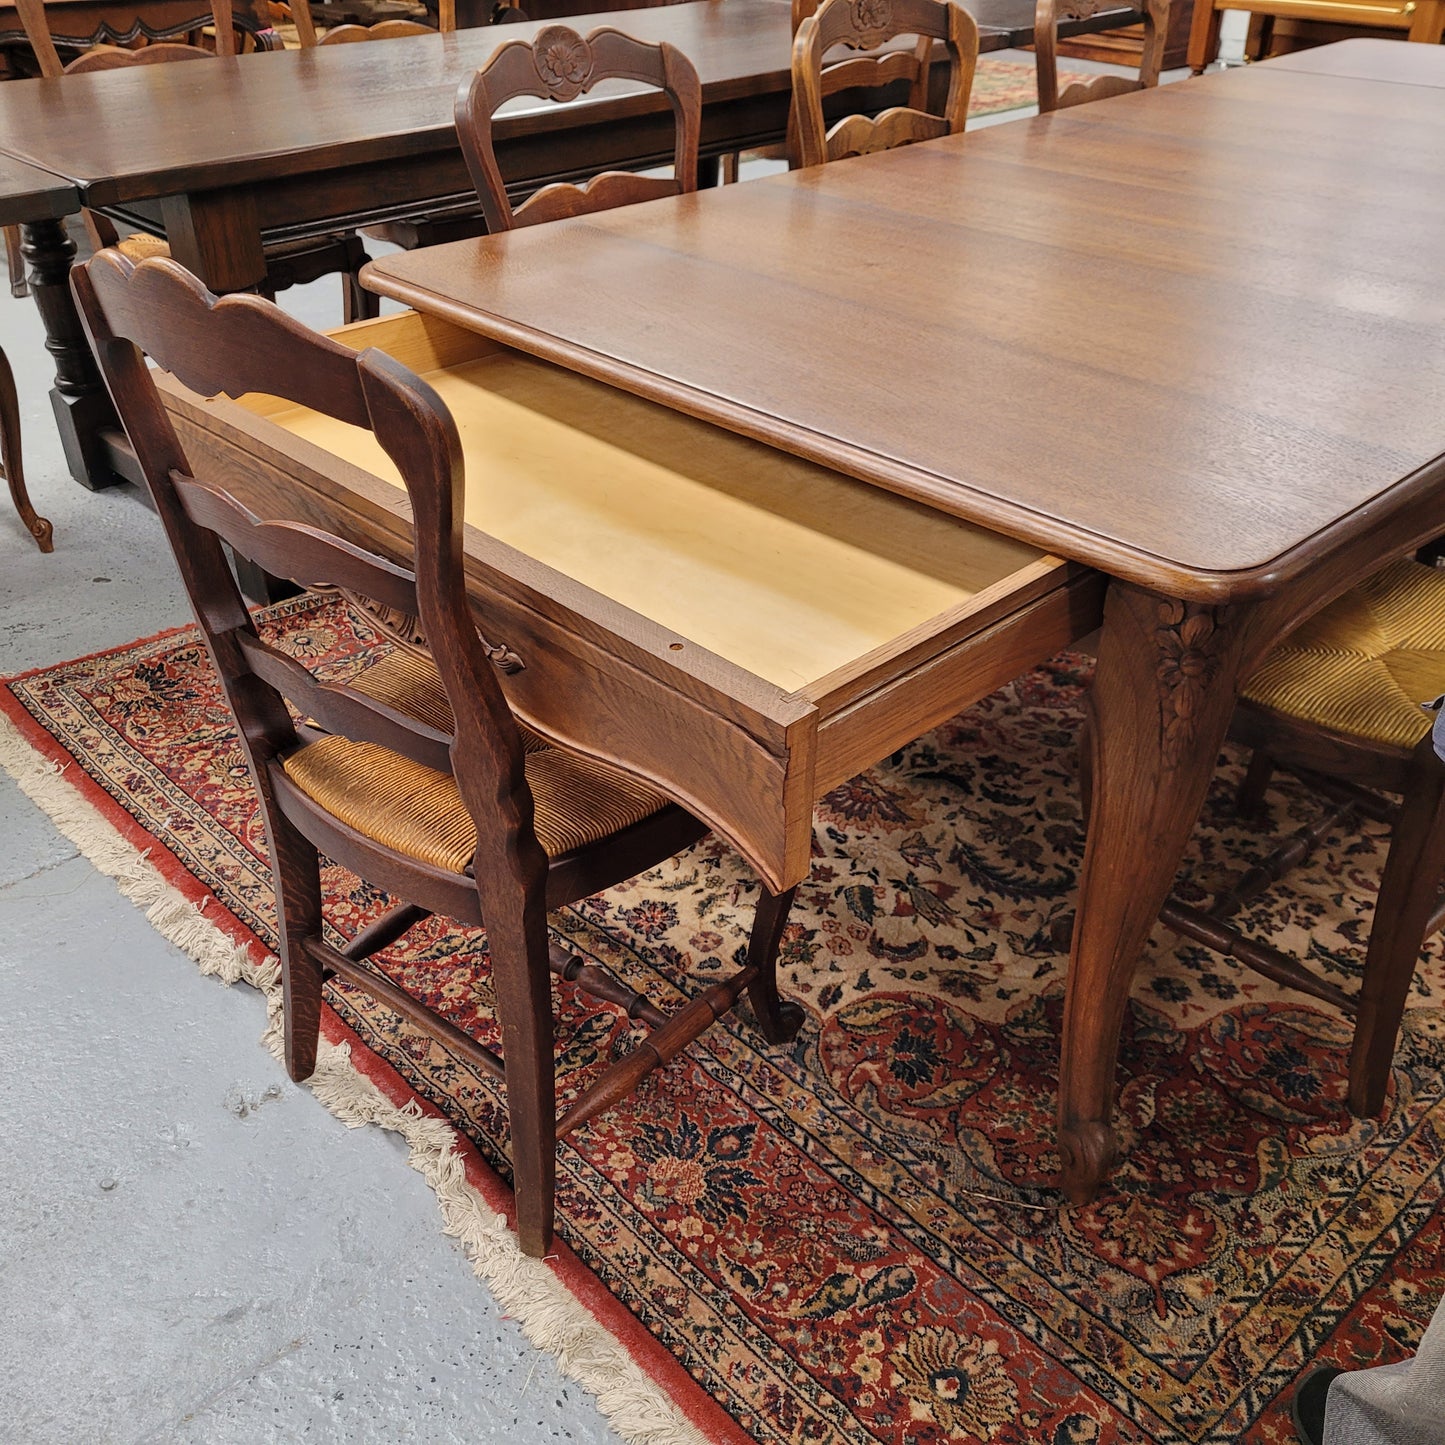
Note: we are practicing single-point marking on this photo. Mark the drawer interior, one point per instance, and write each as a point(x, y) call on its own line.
point(787, 569)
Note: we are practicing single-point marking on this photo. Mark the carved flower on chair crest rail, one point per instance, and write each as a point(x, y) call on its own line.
point(958, 1381)
point(869, 15)
point(564, 60)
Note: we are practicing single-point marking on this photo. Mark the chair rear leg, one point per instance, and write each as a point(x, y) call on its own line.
point(1408, 892)
point(1249, 800)
point(357, 303)
point(15, 262)
point(778, 1018)
point(522, 979)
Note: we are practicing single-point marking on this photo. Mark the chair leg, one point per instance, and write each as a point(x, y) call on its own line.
point(298, 886)
point(10, 465)
point(15, 262)
point(357, 303)
point(1407, 899)
point(522, 979)
point(1249, 800)
point(778, 1018)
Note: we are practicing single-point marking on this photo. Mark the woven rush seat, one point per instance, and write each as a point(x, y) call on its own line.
point(417, 811)
point(1363, 665)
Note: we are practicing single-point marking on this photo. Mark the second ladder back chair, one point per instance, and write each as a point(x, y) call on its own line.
point(865, 25)
point(560, 65)
point(291, 262)
point(415, 775)
point(1339, 704)
point(1049, 14)
point(428, 228)
point(304, 19)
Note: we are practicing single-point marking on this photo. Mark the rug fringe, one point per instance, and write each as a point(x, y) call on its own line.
point(550, 1317)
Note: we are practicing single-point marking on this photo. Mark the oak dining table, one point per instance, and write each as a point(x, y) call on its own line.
point(1188, 337)
point(275, 144)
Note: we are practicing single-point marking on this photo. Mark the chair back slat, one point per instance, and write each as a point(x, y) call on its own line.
point(1049, 14)
point(863, 25)
point(857, 135)
point(560, 65)
point(109, 57)
point(242, 344)
point(344, 710)
point(601, 193)
point(350, 34)
point(300, 553)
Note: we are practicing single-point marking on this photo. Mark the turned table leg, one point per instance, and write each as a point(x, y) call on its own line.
point(83, 411)
point(1158, 711)
point(10, 465)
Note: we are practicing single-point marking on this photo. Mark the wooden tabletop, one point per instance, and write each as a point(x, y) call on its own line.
point(1187, 335)
point(134, 134)
point(1397, 62)
point(30, 194)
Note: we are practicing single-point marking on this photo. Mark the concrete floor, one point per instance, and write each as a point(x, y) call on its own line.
point(191, 1248)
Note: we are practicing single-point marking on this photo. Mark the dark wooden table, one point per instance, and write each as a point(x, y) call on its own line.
point(28, 193)
point(1190, 337)
point(267, 144)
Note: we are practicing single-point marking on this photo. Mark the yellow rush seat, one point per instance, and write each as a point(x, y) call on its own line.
point(1340, 703)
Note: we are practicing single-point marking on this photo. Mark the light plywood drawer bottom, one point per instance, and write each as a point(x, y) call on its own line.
point(742, 627)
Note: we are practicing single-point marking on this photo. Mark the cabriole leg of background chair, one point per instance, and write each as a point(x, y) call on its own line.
point(10, 465)
point(1408, 895)
point(778, 1018)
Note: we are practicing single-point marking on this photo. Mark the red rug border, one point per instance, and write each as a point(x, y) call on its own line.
point(654, 1359)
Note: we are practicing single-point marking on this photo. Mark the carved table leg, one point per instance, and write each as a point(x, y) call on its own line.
point(10, 467)
point(1159, 708)
point(82, 405)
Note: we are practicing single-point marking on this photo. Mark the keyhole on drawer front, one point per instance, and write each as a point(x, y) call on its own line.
point(675, 646)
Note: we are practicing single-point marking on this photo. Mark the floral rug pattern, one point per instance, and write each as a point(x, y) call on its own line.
point(853, 1237)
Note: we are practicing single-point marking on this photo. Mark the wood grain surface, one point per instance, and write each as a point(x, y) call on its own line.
point(1184, 335)
point(29, 194)
point(1366, 59)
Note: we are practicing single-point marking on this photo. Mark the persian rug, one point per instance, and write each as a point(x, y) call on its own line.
point(1000, 85)
point(853, 1237)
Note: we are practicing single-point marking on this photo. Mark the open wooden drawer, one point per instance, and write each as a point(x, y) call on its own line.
point(744, 628)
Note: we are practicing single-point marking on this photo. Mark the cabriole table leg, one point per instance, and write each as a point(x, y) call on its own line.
point(10, 464)
point(1159, 708)
point(82, 406)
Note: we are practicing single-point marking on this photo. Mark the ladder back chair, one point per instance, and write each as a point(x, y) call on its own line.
point(304, 18)
point(1049, 14)
point(1339, 704)
point(415, 775)
point(429, 228)
point(10, 464)
point(559, 65)
point(288, 263)
point(864, 25)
